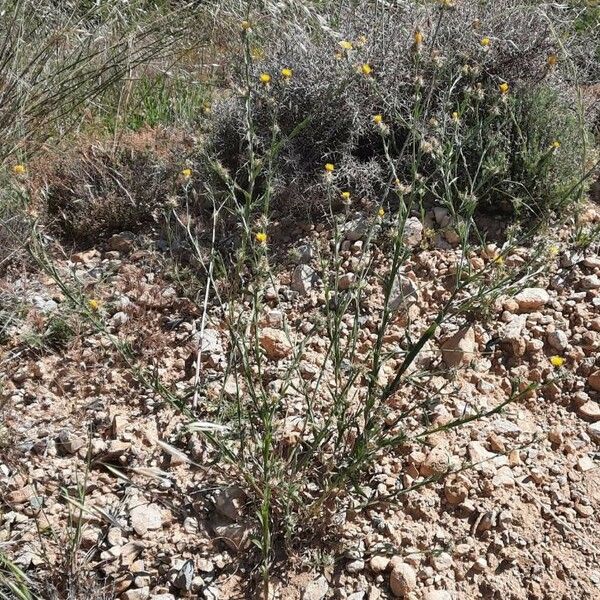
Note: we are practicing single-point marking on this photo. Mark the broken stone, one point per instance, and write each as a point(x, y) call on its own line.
point(275, 343)
point(460, 348)
point(403, 579)
point(303, 279)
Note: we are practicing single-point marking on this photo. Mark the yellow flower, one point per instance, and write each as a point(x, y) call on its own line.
point(346, 196)
point(377, 119)
point(552, 60)
point(346, 45)
point(381, 213)
point(485, 41)
point(557, 361)
point(257, 53)
point(19, 170)
point(366, 69)
point(265, 78)
point(93, 305)
point(261, 237)
point(246, 25)
point(329, 167)
point(287, 73)
point(554, 250)
point(455, 117)
point(447, 3)
point(555, 145)
point(499, 260)
point(504, 88)
point(187, 173)
point(418, 37)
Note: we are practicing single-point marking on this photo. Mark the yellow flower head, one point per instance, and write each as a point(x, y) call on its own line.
point(557, 361)
point(504, 88)
point(377, 119)
point(499, 260)
point(93, 305)
point(329, 167)
point(346, 196)
point(246, 25)
point(552, 60)
point(346, 45)
point(366, 69)
point(19, 170)
point(381, 213)
point(455, 117)
point(261, 237)
point(555, 145)
point(418, 37)
point(187, 173)
point(447, 3)
point(257, 53)
point(485, 41)
point(287, 73)
point(554, 250)
point(265, 78)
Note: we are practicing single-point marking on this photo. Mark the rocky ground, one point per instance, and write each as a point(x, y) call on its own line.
point(160, 522)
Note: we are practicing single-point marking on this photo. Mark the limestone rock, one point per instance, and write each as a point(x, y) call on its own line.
point(531, 299)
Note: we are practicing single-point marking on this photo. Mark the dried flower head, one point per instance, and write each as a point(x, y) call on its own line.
point(418, 38)
point(246, 25)
point(552, 60)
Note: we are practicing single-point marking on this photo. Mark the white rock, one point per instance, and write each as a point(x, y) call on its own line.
point(594, 432)
point(594, 380)
point(558, 340)
point(531, 299)
point(413, 232)
point(589, 411)
point(145, 517)
point(316, 590)
point(404, 292)
point(303, 279)
point(437, 595)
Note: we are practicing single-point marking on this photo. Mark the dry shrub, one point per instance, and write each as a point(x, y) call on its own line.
point(94, 192)
point(500, 154)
